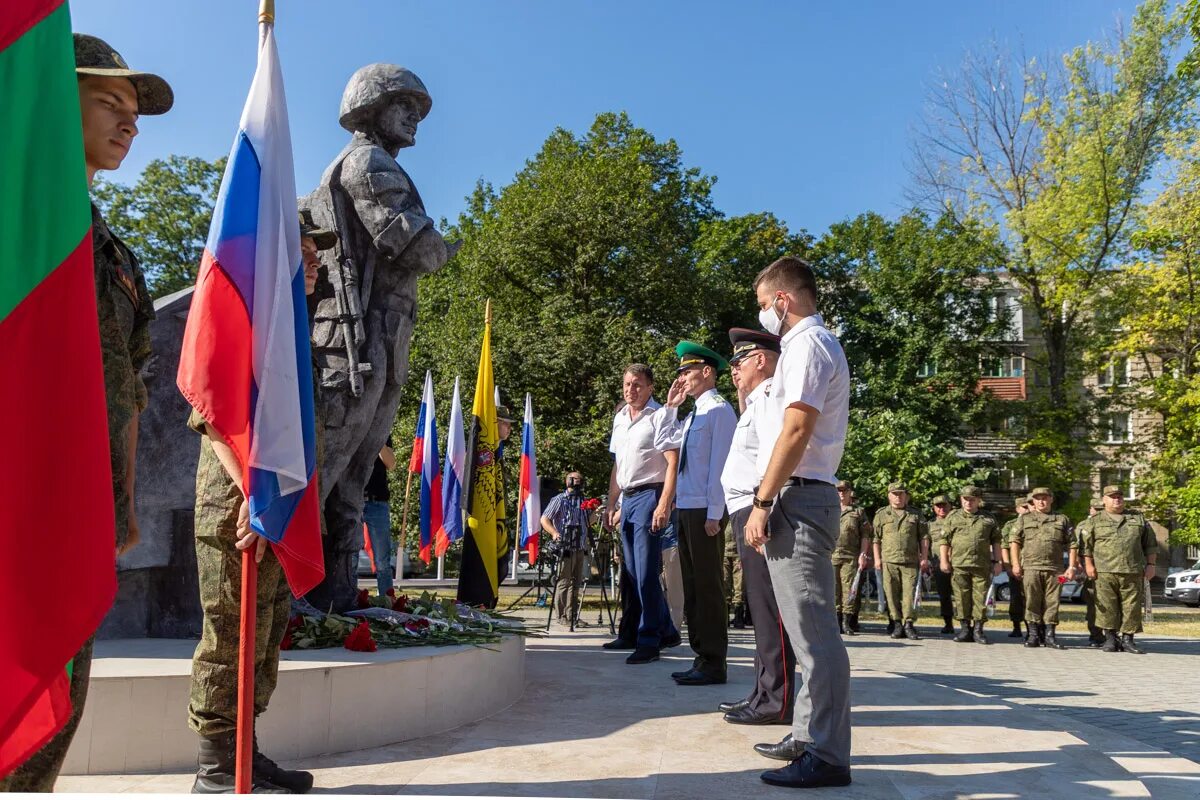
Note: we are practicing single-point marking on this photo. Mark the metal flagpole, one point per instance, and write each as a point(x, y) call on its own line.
point(404, 520)
point(244, 753)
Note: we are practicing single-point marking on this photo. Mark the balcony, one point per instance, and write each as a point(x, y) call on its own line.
point(1003, 388)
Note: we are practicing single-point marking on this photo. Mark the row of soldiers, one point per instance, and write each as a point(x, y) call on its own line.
point(1113, 552)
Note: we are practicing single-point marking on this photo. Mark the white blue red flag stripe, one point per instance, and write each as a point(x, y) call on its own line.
point(452, 480)
point(431, 479)
point(530, 499)
point(245, 364)
point(418, 448)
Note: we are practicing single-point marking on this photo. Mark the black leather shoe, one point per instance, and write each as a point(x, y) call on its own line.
point(695, 677)
point(643, 655)
point(620, 644)
point(891, 626)
point(748, 716)
point(852, 623)
point(910, 632)
point(678, 675)
point(808, 772)
point(787, 750)
point(1016, 631)
point(1128, 645)
point(725, 708)
point(897, 632)
point(671, 641)
point(949, 626)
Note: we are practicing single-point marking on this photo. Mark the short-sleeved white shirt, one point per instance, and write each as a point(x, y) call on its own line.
point(812, 369)
point(632, 444)
point(740, 476)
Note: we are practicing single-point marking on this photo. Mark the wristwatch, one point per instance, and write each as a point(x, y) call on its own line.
point(758, 503)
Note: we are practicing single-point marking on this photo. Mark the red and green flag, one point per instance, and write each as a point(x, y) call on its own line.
point(55, 480)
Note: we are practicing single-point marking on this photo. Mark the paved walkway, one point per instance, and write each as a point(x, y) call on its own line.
point(932, 720)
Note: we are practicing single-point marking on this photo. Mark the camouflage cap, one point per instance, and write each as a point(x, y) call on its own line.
point(1041, 490)
point(1020, 501)
point(323, 237)
point(970, 491)
point(894, 488)
point(502, 413)
point(844, 484)
point(941, 500)
point(1097, 504)
point(94, 56)
point(1112, 489)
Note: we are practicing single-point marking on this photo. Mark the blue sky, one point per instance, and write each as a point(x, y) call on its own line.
point(800, 108)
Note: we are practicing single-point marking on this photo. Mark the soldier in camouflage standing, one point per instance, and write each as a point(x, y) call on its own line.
point(111, 97)
point(851, 553)
point(1088, 590)
point(1041, 541)
point(222, 532)
point(1119, 551)
point(970, 551)
point(1016, 597)
point(902, 547)
point(735, 587)
point(941, 580)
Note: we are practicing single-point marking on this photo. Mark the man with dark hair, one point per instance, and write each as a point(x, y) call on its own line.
point(642, 482)
point(803, 434)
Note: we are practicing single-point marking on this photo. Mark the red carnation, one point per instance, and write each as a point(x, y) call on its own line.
point(286, 644)
point(364, 598)
point(360, 639)
point(294, 622)
point(591, 504)
point(391, 593)
point(400, 603)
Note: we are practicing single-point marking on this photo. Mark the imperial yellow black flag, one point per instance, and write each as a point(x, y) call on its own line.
point(479, 577)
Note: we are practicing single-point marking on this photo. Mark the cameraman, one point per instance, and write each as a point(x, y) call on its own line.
point(567, 523)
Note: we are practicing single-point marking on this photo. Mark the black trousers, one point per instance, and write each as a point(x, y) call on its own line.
point(774, 690)
point(1016, 599)
point(941, 580)
point(704, 605)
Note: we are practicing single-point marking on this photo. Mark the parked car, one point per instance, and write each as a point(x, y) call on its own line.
point(1184, 586)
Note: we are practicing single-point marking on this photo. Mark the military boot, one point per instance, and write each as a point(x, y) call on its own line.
point(948, 627)
point(1128, 645)
point(1050, 640)
point(1111, 645)
point(980, 638)
point(1041, 634)
point(895, 629)
point(841, 623)
point(910, 631)
point(964, 634)
point(891, 627)
point(217, 761)
point(1016, 631)
point(852, 623)
point(296, 781)
point(739, 616)
point(1031, 637)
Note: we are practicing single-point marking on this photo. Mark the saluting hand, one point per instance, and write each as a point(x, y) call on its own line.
point(677, 393)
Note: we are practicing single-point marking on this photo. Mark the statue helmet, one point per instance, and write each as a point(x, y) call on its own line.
point(372, 87)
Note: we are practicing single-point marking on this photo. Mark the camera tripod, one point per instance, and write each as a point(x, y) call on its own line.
point(599, 553)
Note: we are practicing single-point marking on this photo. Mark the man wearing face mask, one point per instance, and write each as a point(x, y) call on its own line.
point(567, 523)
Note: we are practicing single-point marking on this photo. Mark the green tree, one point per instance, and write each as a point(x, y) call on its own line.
point(1056, 160)
point(164, 217)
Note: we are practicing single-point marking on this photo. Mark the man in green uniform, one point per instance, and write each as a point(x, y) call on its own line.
point(851, 553)
point(1016, 597)
point(941, 580)
point(970, 552)
point(735, 589)
point(111, 97)
point(1119, 550)
point(1041, 540)
point(1088, 591)
point(902, 547)
point(222, 532)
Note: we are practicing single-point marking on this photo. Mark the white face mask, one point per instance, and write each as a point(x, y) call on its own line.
point(771, 323)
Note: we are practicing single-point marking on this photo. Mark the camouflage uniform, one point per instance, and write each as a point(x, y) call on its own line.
point(1044, 541)
point(970, 538)
point(1088, 592)
point(735, 590)
point(1120, 546)
point(899, 534)
point(853, 530)
point(1016, 599)
point(941, 580)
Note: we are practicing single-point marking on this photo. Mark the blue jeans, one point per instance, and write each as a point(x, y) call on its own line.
point(378, 519)
point(643, 562)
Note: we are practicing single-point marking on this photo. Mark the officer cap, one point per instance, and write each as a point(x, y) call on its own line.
point(844, 484)
point(94, 56)
point(502, 413)
point(745, 341)
point(323, 237)
point(894, 488)
point(374, 86)
point(941, 500)
point(696, 355)
point(1113, 489)
point(1041, 490)
point(970, 491)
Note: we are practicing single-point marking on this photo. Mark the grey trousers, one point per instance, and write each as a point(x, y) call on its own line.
point(803, 528)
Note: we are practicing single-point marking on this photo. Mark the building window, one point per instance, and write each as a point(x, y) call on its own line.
point(1115, 373)
point(1005, 367)
point(1116, 428)
point(1013, 480)
point(1000, 304)
point(1118, 477)
point(927, 369)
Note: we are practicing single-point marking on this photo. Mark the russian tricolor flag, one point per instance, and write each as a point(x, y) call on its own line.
point(245, 363)
point(530, 500)
point(431, 479)
point(452, 480)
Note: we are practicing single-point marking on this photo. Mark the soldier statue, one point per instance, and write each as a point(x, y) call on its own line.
point(365, 313)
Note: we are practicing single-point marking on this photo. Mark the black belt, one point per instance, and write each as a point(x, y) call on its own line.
point(796, 481)
point(643, 487)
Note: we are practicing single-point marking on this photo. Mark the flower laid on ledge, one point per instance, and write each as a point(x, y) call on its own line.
point(391, 621)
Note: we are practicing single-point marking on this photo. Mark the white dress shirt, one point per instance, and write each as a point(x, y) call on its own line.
point(706, 435)
point(739, 479)
point(632, 445)
point(812, 369)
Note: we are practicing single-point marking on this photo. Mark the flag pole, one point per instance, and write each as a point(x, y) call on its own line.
point(404, 519)
point(244, 754)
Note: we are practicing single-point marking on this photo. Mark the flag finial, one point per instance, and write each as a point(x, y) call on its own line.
point(266, 11)
point(487, 312)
